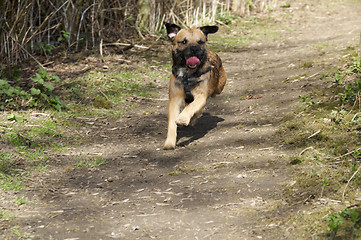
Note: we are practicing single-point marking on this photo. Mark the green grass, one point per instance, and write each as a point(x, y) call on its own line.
point(9, 182)
point(34, 137)
point(20, 201)
point(244, 32)
point(323, 137)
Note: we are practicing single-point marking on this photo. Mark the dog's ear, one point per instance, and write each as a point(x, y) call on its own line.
point(172, 30)
point(208, 29)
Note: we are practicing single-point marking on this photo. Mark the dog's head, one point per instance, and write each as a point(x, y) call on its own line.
point(189, 45)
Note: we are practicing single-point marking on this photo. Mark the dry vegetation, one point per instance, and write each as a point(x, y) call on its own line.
point(29, 27)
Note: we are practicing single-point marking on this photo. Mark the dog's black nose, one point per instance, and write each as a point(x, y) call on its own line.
point(194, 49)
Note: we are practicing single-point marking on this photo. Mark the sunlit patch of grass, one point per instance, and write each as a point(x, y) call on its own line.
point(92, 162)
point(9, 182)
point(244, 32)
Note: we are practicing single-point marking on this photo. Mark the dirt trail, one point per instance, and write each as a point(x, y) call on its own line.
point(226, 177)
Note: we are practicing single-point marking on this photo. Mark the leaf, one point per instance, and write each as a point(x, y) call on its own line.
point(56, 78)
point(35, 91)
point(3, 83)
point(11, 117)
point(356, 153)
point(43, 73)
point(38, 79)
point(49, 86)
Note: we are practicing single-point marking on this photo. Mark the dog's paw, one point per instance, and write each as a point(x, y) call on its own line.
point(182, 120)
point(169, 145)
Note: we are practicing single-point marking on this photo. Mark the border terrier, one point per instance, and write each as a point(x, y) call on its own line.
point(197, 74)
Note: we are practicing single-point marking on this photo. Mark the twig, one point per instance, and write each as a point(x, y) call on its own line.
point(304, 150)
point(126, 44)
point(101, 49)
point(313, 75)
point(348, 182)
point(314, 134)
point(354, 205)
point(81, 21)
point(355, 116)
point(104, 95)
point(351, 152)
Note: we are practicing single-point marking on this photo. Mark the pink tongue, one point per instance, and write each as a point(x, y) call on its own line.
point(193, 61)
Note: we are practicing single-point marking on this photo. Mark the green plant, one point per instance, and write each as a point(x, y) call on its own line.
point(41, 94)
point(227, 18)
point(349, 219)
point(351, 92)
point(20, 201)
point(355, 66)
point(6, 163)
point(286, 5)
point(308, 100)
point(325, 183)
point(64, 36)
point(339, 78)
point(9, 182)
point(337, 116)
point(335, 223)
point(10, 97)
point(42, 91)
point(43, 48)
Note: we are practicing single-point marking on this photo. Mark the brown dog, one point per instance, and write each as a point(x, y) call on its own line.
point(197, 74)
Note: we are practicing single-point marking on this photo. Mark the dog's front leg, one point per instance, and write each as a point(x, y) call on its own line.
point(173, 112)
point(190, 110)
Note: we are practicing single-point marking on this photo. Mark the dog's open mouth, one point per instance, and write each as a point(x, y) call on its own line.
point(193, 62)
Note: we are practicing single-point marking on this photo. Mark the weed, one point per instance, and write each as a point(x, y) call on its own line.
point(286, 5)
point(8, 182)
point(174, 173)
point(43, 48)
point(91, 163)
point(20, 201)
point(325, 183)
point(349, 220)
point(10, 97)
point(42, 91)
point(101, 102)
point(351, 93)
point(185, 169)
point(308, 100)
point(227, 18)
point(307, 65)
point(6, 163)
point(39, 95)
point(5, 215)
point(296, 160)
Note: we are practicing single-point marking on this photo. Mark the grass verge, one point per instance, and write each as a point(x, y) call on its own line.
point(324, 137)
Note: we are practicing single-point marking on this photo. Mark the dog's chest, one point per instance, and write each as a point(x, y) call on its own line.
point(184, 77)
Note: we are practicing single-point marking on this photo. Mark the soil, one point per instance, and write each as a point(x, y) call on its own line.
point(225, 179)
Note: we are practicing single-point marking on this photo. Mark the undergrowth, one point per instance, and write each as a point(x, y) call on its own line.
point(34, 92)
point(325, 135)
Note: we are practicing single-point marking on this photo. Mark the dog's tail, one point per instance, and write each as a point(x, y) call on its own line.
point(219, 76)
point(222, 79)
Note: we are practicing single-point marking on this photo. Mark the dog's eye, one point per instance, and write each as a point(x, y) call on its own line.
point(200, 42)
point(184, 41)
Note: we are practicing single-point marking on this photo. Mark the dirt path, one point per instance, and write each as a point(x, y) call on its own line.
point(225, 179)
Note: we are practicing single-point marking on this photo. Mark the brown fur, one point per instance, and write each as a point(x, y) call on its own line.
point(210, 83)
